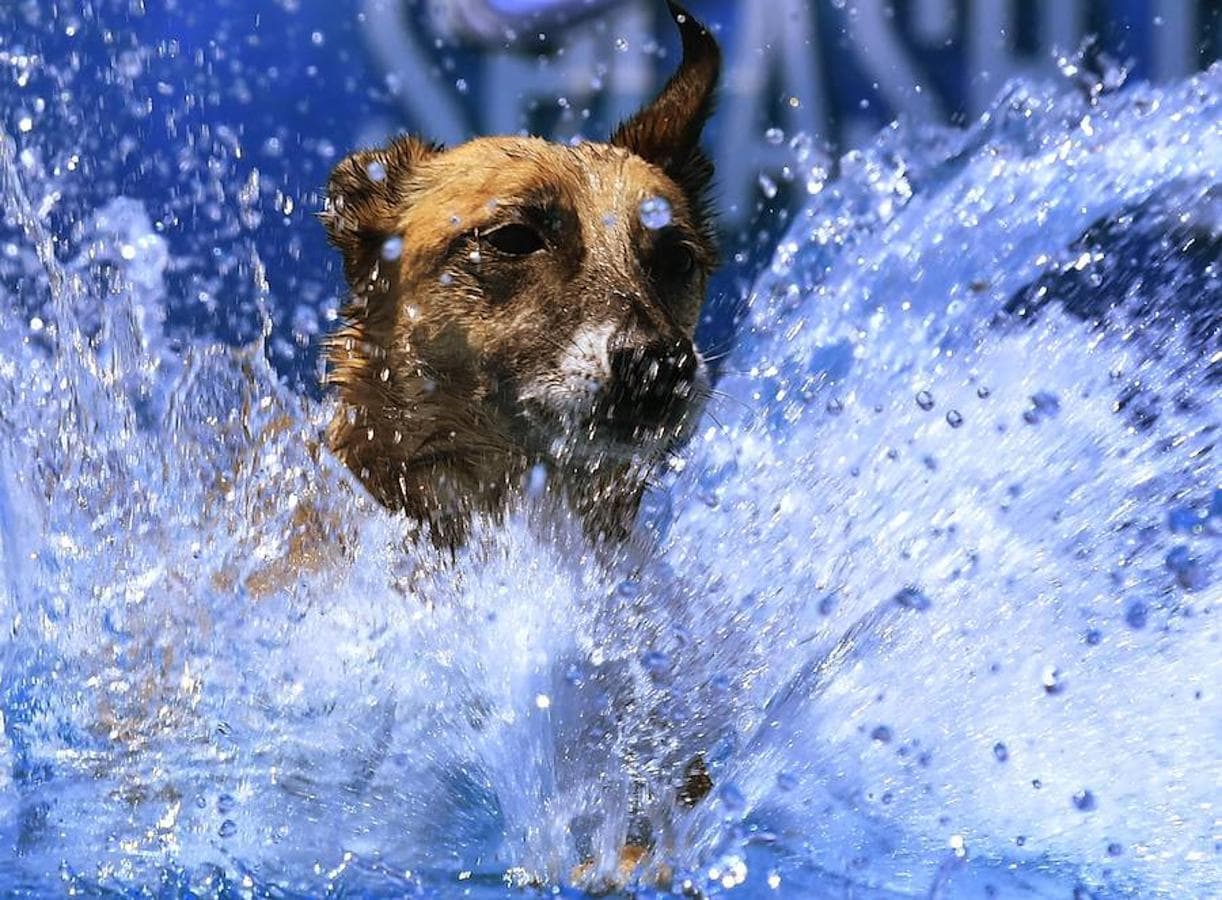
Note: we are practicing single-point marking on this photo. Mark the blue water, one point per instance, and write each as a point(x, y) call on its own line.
point(934, 591)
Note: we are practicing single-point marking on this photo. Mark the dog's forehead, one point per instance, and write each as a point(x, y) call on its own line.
point(467, 185)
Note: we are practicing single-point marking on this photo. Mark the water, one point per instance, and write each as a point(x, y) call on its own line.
point(933, 592)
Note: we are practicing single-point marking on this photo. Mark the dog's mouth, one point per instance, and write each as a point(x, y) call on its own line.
point(615, 427)
point(641, 420)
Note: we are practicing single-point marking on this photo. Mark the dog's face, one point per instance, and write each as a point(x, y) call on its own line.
point(554, 289)
point(562, 284)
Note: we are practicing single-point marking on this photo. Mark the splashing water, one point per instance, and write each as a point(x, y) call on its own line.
point(933, 594)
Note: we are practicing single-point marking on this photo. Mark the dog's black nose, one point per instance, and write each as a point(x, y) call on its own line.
point(652, 383)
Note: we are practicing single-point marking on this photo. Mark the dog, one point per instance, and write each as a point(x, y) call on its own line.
point(523, 312)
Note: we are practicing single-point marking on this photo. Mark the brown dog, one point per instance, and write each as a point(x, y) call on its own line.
point(525, 310)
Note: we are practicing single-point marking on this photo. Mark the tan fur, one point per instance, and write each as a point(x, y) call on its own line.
point(461, 366)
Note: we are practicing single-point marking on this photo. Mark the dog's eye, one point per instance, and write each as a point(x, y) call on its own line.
point(674, 261)
point(515, 240)
point(682, 261)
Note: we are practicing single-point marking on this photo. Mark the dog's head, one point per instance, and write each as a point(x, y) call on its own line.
point(555, 287)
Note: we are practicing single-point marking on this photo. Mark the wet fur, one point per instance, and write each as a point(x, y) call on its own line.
point(446, 349)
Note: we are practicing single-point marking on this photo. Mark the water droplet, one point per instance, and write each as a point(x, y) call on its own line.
point(1084, 800)
point(983, 392)
point(774, 136)
point(628, 589)
point(802, 147)
point(924, 399)
point(881, 734)
point(536, 483)
point(786, 781)
point(1093, 637)
point(1114, 849)
point(1044, 405)
point(392, 249)
point(1136, 614)
point(655, 213)
point(912, 598)
point(954, 418)
point(656, 663)
point(225, 803)
point(461, 86)
point(228, 828)
point(129, 64)
point(1186, 520)
point(732, 798)
point(1000, 753)
point(1053, 680)
point(317, 39)
point(816, 180)
point(958, 844)
point(1187, 569)
point(542, 701)
point(376, 170)
point(768, 186)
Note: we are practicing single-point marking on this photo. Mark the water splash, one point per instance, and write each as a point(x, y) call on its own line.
point(227, 667)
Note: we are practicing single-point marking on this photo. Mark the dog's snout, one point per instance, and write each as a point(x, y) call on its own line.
point(654, 380)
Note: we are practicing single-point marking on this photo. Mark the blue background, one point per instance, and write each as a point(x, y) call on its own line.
point(272, 93)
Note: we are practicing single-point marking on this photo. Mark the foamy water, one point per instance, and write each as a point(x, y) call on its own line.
point(934, 592)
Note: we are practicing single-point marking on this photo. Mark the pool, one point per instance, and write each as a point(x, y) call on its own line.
point(934, 591)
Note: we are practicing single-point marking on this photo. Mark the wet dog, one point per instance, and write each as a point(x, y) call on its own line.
point(524, 310)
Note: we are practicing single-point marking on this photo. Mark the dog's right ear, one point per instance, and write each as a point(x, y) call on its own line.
point(667, 131)
point(366, 195)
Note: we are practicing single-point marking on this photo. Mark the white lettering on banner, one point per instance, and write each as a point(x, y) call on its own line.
point(888, 65)
point(774, 71)
point(991, 56)
point(933, 21)
point(774, 48)
point(409, 72)
point(591, 68)
point(1173, 50)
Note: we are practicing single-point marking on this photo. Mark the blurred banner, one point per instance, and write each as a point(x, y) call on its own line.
point(833, 70)
point(263, 97)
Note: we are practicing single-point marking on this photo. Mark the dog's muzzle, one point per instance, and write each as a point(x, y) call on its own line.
point(651, 389)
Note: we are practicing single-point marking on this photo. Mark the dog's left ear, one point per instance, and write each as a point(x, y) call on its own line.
point(366, 195)
point(667, 132)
